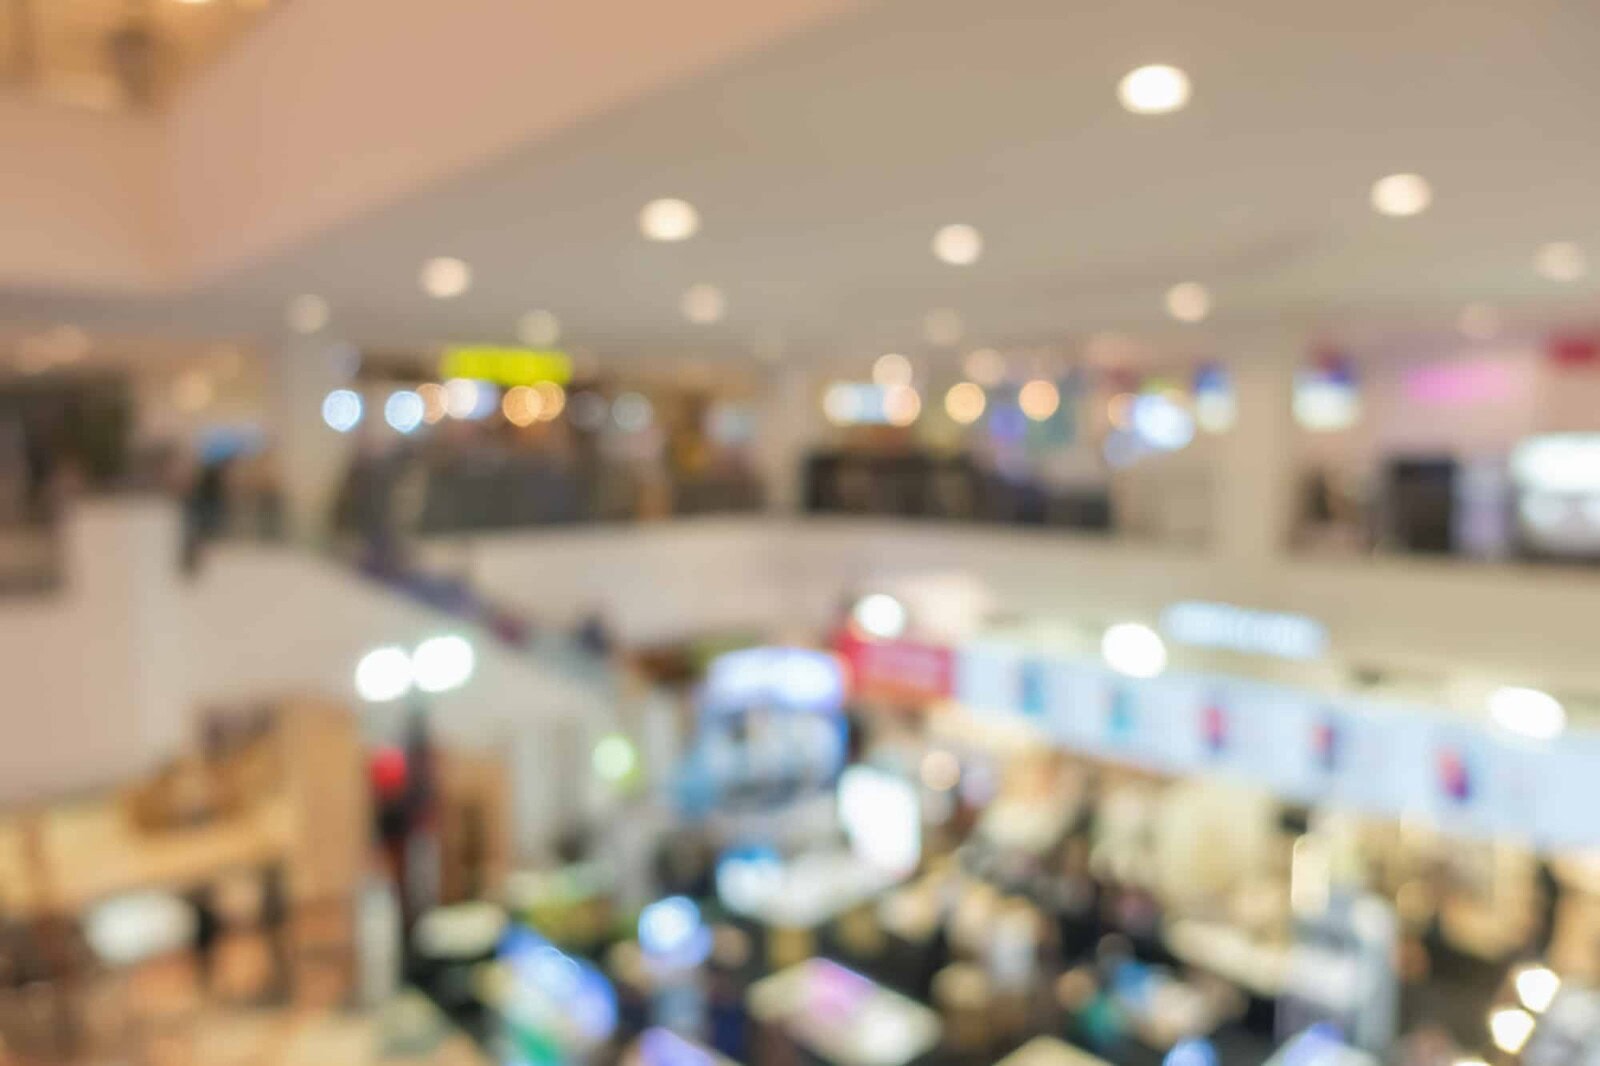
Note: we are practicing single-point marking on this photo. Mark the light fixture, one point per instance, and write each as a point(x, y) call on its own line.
point(1527, 712)
point(632, 412)
point(1189, 301)
point(1561, 261)
point(1510, 1028)
point(901, 405)
point(1401, 195)
point(443, 663)
point(614, 758)
point(552, 400)
point(521, 405)
point(891, 369)
point(942, 327)
point(384, 674)
point(445, 277)
point(880, 616)
point(1536, 987)
point(1039, 399)
point(958, 244)
point(1134, 649)
point(1162, 422)
point(704, 304)
point(985, 366)
point(341, 410)
point(307, 314)
point(403, 410)
point(839, 404)
point(434, 402)
point(669, 219)
point(462, 397)
point(1478, 322)
point(1157, 89)
point(538, 329)
point(672, 930)
point(964, 403)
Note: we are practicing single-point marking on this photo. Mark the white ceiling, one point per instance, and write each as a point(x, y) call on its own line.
point(822, 168)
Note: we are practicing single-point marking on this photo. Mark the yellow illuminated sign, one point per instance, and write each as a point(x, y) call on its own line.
point(505, 366)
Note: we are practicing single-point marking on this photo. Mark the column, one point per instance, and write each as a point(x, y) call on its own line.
point(787, 431)
point(311, 458)
point(1255, 477)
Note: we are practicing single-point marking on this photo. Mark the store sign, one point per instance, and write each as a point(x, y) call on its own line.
point(1241, 629)
point(505, 366)
point(897, 671)
point(795, 679)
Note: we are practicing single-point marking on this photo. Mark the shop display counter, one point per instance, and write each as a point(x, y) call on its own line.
point(842, 1017)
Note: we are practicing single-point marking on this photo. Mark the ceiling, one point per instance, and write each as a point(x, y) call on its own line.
point(822, 167)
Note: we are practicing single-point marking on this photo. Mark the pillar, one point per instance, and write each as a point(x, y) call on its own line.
point(1255, 478)
point(787, 431)
point(311, 458)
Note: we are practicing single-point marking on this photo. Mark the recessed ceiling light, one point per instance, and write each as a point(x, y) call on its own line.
point(958, 244)
point(445, 277)
point(1039, 399)
point(1154, 90)
point(669, 220)
point(1561, 261)
point(891, 370)
point(704, 304)
point(942, 327)
point(1479, 322)
point(307, 314)
point(1189, 301)
point(985, 366)
point(964, 403)
point(1401, 195)
point(538, 329)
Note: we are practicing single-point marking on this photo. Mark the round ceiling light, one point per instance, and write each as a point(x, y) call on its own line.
point(669, 219)
point(985, 366)
point(1189, 301)
point(538, 329)
point(958, 244)
point(891, 369)
point(901, 405)
point(1561, 261)
point(1039, 399)
point(1401, 195)
point(964, 403)
point(1134, 649)
point(341, 410)
point(704, 304)
point(307, 314)
point(1157, 89)
point(445, 277)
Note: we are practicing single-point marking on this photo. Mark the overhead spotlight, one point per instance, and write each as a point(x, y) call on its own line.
point(891, 369)
point(704, 304)
point(307, 314)
point(538, 329)
point(404, 410)
point(964, 403)
point(901, 405)
point(384, 674)
point(521, 405)
point(1189, 301)
point(958, 244)
point(443, 663)
point(1157, 89)
point(1039, 399)
point(669, 219)
point(445, 277)
point(1134, 649)
point(985, 366)
point(880, 616)
point(1537, 987)
point(434, 402)
point(1561, 261)
point(1510, 1028)
point(1401, 195)
point(341, 410)
point(1527, 712)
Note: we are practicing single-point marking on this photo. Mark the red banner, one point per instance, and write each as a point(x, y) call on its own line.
point(897, 671)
